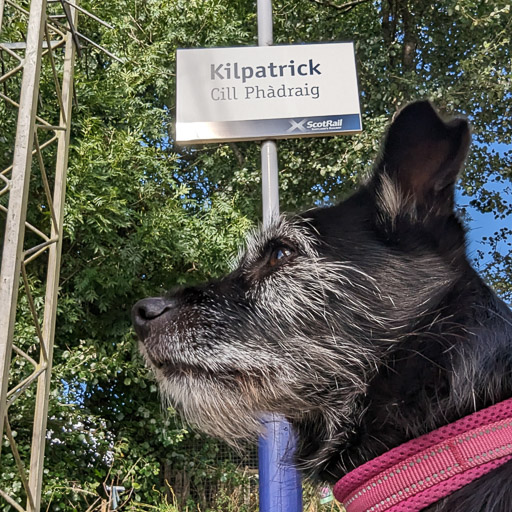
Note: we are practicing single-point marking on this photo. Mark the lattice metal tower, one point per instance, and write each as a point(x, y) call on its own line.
point(45, 44)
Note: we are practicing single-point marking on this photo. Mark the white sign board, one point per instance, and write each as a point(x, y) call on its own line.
point(266, 92)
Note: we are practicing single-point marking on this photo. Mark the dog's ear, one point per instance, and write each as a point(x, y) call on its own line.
point(421, 158)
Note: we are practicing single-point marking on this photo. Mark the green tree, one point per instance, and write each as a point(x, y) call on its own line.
point(144, 215)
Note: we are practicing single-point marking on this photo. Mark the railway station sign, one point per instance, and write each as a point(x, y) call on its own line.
point(266, 92)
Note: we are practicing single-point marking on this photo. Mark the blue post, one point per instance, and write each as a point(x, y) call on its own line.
point(279, 485)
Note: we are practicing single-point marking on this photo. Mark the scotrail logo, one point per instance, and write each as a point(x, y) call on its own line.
point(296, 126)
point(311, 126)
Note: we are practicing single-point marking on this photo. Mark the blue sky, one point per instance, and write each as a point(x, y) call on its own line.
point(483, 225)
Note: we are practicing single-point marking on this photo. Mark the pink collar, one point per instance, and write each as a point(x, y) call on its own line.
point(420, 472)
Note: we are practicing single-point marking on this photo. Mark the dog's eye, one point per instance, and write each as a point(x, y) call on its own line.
point(279, 255)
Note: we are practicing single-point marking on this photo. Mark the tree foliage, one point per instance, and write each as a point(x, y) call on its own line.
point(144, 215)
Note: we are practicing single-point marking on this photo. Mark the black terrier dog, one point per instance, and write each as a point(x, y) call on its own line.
point(363, 323)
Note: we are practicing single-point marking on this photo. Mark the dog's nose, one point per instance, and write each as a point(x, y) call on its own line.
point(148, 309)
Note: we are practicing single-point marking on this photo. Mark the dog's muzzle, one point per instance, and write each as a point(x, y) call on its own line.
point(147, 310)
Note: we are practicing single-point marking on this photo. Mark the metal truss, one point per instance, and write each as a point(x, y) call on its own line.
point(42, 54)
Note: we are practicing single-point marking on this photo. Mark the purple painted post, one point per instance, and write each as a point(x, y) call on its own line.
point(279, 485)
point(279, 482)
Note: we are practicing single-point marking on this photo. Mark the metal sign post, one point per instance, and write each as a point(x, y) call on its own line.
point(269, 178)
point(279, 482)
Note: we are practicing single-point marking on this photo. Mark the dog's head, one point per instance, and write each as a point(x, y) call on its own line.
point(306, 320)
